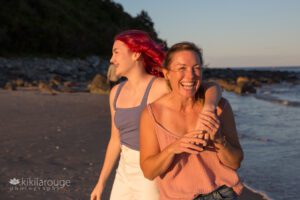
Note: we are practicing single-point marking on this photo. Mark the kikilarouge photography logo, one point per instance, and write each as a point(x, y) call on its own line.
point(36, 184)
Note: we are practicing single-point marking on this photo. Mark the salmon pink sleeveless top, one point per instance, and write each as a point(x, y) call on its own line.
point(191, 175)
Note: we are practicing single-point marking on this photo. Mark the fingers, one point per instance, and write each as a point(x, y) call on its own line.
point(92, 197)
point(213, 121)
point(212, 125)
point(194, 140)
point(190, 148)
point(210, 114)
point(206, 136)
point(95, 196)
point(190, 151)
point(194, 133)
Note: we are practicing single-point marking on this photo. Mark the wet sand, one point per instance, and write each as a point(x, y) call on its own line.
point(61, 137)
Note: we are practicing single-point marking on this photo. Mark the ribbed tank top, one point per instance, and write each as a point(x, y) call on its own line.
point(127, 120)
point(190, 175)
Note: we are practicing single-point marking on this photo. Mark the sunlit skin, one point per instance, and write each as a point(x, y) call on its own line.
point(184, 73)
point(123, 58)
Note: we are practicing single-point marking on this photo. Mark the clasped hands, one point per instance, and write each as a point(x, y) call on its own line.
point(206, 133)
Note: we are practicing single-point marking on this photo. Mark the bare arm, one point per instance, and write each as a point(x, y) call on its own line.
point(155, 162)
point(229, 150)
point(212, 95)
point(112, 153)
point(152, 161)
point(159, 88)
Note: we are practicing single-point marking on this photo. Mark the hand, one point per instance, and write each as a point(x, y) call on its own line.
point(208, 120)
point(97, 192)
point(192, 142)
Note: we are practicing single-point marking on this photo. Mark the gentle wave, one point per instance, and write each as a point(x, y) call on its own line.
point(255, 138)
point(263, 194)
point(276, 100)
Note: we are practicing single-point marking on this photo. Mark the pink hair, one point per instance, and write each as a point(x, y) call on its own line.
point(152, 53)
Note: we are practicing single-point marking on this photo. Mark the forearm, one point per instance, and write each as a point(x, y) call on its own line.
point(156, 165)
point(212, 94)
point(229, 155)
point(111, 155)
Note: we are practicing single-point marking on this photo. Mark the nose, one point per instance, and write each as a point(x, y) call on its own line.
point(112, 59)
point(190, 73)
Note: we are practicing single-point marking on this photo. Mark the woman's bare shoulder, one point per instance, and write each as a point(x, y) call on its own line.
point(159, 88)
point(113, 92)
point(160, 103)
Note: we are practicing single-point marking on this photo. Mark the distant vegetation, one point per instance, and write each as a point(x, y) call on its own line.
point(67, 28)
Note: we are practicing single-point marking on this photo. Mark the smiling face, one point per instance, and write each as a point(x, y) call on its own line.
point(122, 58)
point(184, 73)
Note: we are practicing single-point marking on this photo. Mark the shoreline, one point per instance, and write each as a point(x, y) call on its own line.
point(253, 194)
point(88, 74)
point(58, 137)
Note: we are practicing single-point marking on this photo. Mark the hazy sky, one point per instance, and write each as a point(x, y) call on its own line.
point(231, 32)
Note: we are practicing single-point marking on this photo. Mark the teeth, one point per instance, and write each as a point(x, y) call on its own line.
point(188, 84)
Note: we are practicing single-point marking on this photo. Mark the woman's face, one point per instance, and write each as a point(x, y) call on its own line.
point(185, 73)
point(121, 58)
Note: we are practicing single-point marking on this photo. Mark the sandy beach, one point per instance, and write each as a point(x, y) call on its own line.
point(61, 137)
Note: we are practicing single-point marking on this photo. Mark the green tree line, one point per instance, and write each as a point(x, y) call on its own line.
point(67, 28)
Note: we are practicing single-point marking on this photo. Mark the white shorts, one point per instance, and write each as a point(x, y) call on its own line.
point(130, 183)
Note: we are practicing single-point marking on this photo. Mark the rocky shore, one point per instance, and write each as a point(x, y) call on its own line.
point(54, 76)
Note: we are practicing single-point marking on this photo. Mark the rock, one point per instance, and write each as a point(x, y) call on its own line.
point(226, 85)
point(244, 85)
point(70, 86)
point(98, 85)
point(256, 83)
point(244, 89)
point(241, 80)
point(19, 82)
point(46, 89)
point(28, 84)
point(10, 86)
point(3, 80)
point(94, 61)
point(55, 81)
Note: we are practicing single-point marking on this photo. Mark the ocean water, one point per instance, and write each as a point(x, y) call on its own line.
point(269, 129)
point(287, 68)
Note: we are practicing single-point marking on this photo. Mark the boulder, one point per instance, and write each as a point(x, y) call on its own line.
point(19, 82)
point(241, 80)
point(98, 85)
point(44, 88)
point(10, 86)
point(242, 88)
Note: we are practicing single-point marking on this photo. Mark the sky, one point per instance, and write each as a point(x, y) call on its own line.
point(232, 33)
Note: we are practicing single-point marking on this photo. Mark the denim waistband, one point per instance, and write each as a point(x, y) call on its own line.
point(222, 193)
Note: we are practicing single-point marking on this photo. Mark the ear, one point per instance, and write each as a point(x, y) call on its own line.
point(166, 73)
point(136, 55)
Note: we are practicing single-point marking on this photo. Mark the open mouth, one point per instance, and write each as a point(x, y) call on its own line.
point(188, 85)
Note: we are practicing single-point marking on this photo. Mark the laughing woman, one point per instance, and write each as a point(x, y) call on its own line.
point(190, 156)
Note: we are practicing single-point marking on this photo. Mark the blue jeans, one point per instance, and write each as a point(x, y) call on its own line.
point(222, 193)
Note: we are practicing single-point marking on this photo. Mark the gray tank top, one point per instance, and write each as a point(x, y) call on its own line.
point(127, 120)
